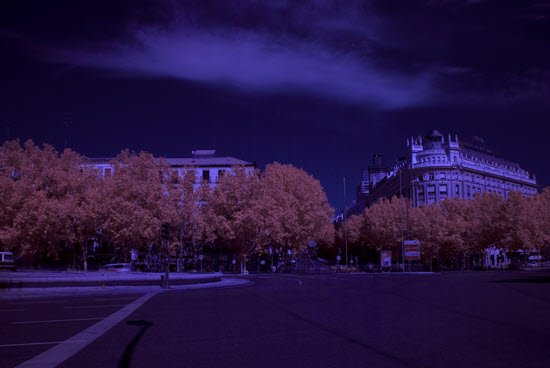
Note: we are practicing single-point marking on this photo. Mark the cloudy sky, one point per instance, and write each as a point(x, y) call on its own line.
point(320, 84)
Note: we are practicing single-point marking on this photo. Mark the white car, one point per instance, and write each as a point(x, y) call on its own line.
point(116, 267)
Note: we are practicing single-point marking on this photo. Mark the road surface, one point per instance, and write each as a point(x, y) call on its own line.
point(494, 319)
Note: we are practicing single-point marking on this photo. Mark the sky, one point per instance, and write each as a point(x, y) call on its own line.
point(321, 84)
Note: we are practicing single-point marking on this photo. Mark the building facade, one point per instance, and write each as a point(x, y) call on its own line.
point(208, 168)
point(436, 167)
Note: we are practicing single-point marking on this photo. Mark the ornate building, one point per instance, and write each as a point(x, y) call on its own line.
point(436, 168)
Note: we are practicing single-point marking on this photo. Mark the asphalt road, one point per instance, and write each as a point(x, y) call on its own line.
point(448, 320)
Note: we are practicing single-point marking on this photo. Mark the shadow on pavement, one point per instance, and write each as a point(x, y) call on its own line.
point(527, 280)
point(126, 357)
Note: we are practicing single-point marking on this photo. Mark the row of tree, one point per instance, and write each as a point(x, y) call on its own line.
point(50, 201)
point(457, 231)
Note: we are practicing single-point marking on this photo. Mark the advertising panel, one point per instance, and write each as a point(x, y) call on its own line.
point(385, 258)
point(412, 250)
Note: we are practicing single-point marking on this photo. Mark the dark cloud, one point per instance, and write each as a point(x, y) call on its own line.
point(250, 48)
point(257, 62)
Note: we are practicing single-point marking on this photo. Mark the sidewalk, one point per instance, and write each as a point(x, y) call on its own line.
point(44, 279)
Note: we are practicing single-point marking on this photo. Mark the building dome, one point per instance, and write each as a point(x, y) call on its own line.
point(434, 136)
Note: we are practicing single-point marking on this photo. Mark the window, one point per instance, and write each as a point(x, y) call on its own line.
point(431, 176)
point(457, 190)
point(443, 189)
point(206, 175)
point(221, 173)
point(107, 172)
point(174, 177)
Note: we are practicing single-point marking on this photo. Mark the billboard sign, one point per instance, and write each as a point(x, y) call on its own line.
point(385, 258)
point(412, 250)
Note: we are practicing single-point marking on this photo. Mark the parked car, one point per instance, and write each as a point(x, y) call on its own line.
point(116, 267)
point(7, 261)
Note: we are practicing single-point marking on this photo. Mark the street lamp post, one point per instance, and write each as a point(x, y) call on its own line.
point(344, 224)
point(402, 219)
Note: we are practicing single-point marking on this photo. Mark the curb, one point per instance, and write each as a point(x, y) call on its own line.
point(19, 284)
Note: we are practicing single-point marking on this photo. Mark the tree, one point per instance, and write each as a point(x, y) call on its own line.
point(533, 220)
point(384, 222)
point(457, 247)
point(354, 229)
point(426, 223)
point(516, 222)
point(133, 202)
point(76, 202)
point(486, 222)
point(44, 198)
point(187, 216)
point(284, 207)
point(294, 209)
point(231, 208)
point(541, 223)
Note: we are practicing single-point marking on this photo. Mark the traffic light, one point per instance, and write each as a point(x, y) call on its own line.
point(165, 231)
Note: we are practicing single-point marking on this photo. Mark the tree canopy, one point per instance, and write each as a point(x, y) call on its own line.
point(50, 201)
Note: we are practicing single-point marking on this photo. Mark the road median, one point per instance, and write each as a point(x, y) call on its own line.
point(70, 279)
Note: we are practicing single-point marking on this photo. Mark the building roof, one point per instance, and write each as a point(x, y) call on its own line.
point(489, 157)
point(206, 161)
point(98, 160)
point(200, 160)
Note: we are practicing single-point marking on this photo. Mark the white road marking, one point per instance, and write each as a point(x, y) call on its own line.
point(56, 320)
point(36, 343)
point(298, 281)
point(95, 306)
point(64, 350)
point(11, 310)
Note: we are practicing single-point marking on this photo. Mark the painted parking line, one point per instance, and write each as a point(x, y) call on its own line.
point(35, 343)
point(96, 306)
point(64, 350)
point(57, 320)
